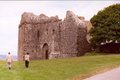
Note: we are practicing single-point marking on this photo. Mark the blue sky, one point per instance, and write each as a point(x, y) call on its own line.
point(11, 11)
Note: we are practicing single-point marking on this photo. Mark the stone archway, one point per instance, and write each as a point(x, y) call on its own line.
point(45, 50)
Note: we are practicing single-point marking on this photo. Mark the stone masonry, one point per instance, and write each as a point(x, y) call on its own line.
point(49, 37)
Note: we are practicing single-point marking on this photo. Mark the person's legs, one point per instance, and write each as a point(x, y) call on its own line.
point(26, 64)
point(9, 65)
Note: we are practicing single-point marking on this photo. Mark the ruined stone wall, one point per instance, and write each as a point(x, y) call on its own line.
point(89, 26)
point(35, 32)
point(69, 35)
point(49, 37)
point(73, 36)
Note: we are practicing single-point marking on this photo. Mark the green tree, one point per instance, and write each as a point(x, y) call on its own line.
point(106, 26)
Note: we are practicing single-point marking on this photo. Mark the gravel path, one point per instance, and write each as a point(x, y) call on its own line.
point(109, 75)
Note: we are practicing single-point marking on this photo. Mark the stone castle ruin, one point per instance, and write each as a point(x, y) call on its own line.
point(49, 37)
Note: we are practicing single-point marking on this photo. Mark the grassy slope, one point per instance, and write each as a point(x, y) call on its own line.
point(59, 69)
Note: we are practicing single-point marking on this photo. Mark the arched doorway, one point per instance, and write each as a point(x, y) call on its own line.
point(45, 50)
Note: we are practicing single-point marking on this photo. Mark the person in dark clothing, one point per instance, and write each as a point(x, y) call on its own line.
point(27, 60)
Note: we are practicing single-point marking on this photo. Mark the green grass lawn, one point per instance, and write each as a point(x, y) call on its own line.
point(60, 69)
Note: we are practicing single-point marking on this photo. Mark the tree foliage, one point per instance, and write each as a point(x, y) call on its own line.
point(106, 26)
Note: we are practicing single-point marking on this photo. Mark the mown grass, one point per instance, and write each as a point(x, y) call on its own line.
point(59, 69)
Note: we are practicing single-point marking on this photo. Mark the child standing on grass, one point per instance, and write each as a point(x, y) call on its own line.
point(9, 60)
point(27, 59)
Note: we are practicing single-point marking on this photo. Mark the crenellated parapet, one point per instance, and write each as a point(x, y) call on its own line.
point(31, 18)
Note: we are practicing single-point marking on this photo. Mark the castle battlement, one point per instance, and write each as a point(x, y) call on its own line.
point(37, 19)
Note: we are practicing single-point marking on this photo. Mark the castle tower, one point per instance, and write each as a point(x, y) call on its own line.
point(49, 37)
